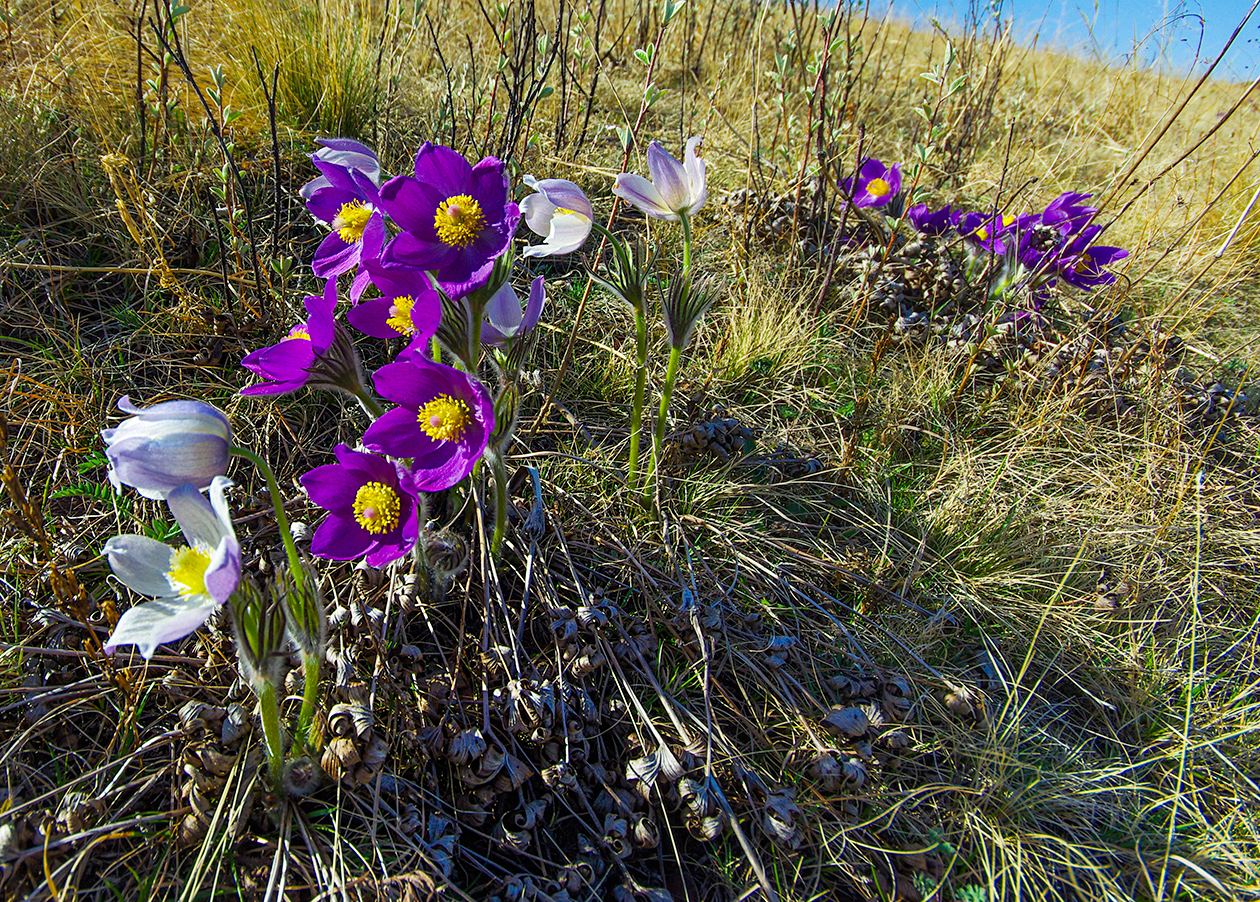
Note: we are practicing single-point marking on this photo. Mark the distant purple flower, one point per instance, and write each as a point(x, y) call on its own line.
point(443, 420)
point(504, 320)
point(876, 184)
point(984, 232)
point(189, 583)
point(166, 445)
point(346, 196)
point(1081, 264)
point(372, 508)
point(456, 218)
point(676, 189)
point(927, 222)
point(560, 212)
point(408, 307)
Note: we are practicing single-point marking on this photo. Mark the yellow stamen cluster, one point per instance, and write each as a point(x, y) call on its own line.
point(458, 220)
point(298, 332)
point(351, 220)
point(400, 315)
point(444, 418)
point(878, 188)
point(187, 575)
point(376, 507)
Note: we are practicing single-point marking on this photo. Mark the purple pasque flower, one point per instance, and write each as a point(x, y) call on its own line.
point(408, 306)
point(456, 218)
point(188, 583)
point(932, 223)
point(560, 212)
point(166, 445)
point(286, 366)
point(876, 184)
point(503, 319)
point(1081, 264)
point(443, 420)
point(676, 189)
point(346, 196)
point(984, 232)
point(1066, 213)
point(345, 153)
point(373, 511)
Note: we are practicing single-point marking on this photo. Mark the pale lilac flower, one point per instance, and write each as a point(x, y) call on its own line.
point(676, 189)
point(560, 212)
point(188, 583)
point(167, 445)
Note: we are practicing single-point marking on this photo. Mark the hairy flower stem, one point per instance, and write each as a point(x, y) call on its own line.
point(273, 734)
point(368, 402)
point(310, 664)
point(658, 440)
point(499, 468)
point(640, 386)
point(686, 224)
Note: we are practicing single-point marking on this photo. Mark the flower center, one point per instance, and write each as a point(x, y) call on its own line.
point(878, 188)
point(298, 331)
point(444, 418)
point(351, 220)
point(376, 507)
point(981, 233)
point(458, 220)
point(187, 575)
point(400, 315)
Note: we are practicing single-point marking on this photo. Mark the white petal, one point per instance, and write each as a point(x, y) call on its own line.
point(202, 528)
point(538, 212)
point(150, 624)
point(503, 310)
point(697, 190)
point(141, 563)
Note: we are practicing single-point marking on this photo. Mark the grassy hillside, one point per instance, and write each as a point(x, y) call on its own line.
point(939, 597)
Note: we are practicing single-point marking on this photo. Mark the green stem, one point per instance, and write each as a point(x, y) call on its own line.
point(640, 386)
point(499, 468)
point(273, 735)
point(310, 693)
point(686, 224)
point(282, 519)
point(658, 440)
point(310, 664)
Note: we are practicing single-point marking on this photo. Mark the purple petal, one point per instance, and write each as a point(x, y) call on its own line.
point(638, 191)
point(340, 539)
point(668, 176)
point(444, 169)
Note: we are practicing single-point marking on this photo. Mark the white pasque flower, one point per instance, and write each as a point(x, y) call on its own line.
point(676, 189)
point(166, 445)
point(560, 212)
point(188, 583)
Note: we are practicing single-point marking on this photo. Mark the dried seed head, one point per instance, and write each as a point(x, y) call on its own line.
point(846, 722)
point(465, 746)
point(827, 770)
point(301, 777)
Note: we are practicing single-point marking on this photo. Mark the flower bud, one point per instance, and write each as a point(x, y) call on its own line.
point(166, 445)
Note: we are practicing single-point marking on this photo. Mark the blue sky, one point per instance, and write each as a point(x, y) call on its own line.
point(1187, 34)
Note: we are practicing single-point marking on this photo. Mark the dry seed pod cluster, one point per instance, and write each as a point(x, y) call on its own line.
point(354, 752)
point(721, 436)
point(212, 756)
